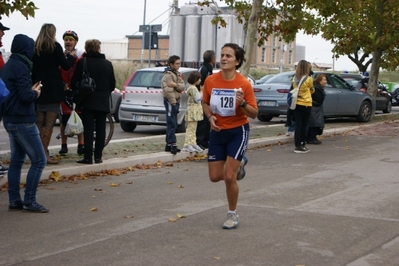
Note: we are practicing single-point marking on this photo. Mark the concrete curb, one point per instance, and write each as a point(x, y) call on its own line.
point(152, 158)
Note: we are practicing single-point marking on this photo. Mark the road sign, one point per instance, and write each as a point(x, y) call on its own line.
point(150, 28)
point(144, 28)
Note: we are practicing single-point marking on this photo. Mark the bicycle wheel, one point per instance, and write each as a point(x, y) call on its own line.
point(109, 131)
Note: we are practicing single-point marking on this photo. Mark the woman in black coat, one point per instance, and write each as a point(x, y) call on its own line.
point(316, 120)
point(96, 106)
point(47, 60)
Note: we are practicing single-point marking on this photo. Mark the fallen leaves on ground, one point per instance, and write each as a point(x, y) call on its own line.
point(55, 175)
point(179, 216)
point(94, 209)
point(114, 184)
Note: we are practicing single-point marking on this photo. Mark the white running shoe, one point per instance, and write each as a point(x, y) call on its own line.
point(232, 221)
point(197, 148)
point(188, 148)
point(241, 172)
point(290, 133)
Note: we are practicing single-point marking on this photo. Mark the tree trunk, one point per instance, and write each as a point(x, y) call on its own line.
point(374, 72)
point(250, 38)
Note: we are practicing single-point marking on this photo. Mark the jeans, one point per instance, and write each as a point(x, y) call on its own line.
point(292, 127)
point(302, 114)
point(171, 121)
point(93, 120)
point(24, 140)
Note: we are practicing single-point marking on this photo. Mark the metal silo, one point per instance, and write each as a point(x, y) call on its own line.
point(207, 10)
point(238, 32)
point(208, 35)
point(188, 9)
point(224, 35)
point(176, 37)
point(191, 39)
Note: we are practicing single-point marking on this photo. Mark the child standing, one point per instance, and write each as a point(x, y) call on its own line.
point(194, 113)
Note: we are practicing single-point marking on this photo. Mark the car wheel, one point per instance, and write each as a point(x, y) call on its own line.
point(128, 126)
point(265, 118)
point(116, 114)
point(182, 127)
point(389, 107)
point(364, 112)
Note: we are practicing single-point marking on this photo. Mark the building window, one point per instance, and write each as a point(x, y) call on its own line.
point(290, 57)
point(263, 54)
point(274, 56)
point(274, 41)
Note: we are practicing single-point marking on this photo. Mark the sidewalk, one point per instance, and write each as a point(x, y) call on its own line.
point(150, 150)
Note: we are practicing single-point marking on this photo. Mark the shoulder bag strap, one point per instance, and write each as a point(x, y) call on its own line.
point(85, 66)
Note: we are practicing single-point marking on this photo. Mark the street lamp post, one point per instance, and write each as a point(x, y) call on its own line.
point(142, 38)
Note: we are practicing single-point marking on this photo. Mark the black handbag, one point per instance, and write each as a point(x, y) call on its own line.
point(85, 86)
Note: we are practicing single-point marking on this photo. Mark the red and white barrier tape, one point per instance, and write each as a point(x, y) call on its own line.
point(140, 92)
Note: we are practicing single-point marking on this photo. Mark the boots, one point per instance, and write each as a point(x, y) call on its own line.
point(45, 135)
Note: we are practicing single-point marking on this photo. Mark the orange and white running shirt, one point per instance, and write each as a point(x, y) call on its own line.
point(221, 97)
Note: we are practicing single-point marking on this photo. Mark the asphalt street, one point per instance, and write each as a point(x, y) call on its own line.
point(337, 205)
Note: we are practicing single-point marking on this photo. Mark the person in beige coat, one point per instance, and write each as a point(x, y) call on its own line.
point(172, 87)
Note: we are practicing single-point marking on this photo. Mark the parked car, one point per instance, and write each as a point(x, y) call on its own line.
point(142, 101)
point(264, 79)
point(383, 99)
point(250, 78)
point(395, 96)
point(342, 100)
point(116, 98)
point(352, 78)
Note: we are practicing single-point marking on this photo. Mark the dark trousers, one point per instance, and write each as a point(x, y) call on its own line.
point(93, 121)
point(301, 114)
point(202, 133)
point(171, 121)
point(312, 133)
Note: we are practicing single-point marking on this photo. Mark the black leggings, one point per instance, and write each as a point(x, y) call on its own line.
point(93, 120)
point(301, 114)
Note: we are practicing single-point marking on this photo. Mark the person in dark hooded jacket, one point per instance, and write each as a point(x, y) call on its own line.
point(96, 106)
point(316, 119)
point(19, 118)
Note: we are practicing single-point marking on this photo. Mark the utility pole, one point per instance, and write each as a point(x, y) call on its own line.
point(142, 38)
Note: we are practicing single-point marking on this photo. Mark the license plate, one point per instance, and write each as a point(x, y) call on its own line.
point(267, 103)
point(147, 118)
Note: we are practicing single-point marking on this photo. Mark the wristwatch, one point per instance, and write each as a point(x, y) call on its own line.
point(244, 104)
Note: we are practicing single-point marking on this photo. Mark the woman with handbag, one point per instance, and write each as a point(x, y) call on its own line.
point(95, 106)
point(304, 83)
point(47, 60)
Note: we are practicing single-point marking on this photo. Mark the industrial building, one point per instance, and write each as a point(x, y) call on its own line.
point(192, 33)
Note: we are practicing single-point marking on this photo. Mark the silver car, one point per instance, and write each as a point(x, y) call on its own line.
point(142, 102)
point(342, 100)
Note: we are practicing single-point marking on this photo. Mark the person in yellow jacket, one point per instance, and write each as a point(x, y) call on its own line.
point(303, 105)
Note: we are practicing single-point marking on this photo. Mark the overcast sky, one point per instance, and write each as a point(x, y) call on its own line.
point(114, 19)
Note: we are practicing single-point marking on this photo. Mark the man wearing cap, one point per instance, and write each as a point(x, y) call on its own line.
point(2, 29)
point(3, 169)
point(70, 38)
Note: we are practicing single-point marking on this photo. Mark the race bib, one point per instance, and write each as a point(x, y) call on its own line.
point(223, 102)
